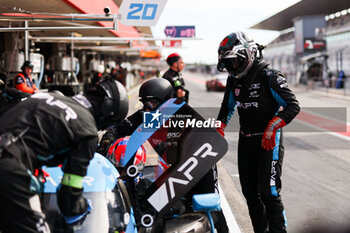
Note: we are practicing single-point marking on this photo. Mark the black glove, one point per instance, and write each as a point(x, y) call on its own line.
point(104, 145)
point(71, 201)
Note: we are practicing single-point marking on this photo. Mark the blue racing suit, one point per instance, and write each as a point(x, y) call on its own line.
point(259, 96)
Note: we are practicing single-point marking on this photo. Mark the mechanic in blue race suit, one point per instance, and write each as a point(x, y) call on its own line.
point(51, 129)
point(174, 76)
point(152, 94)
point(265, 104)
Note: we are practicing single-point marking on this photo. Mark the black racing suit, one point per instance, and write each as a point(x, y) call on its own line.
point(9, 97)
point(258, 97)
point(55, 130)
point(164, 141)
point(177, 81)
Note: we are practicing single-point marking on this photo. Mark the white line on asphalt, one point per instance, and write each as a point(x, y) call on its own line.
point(322, 130)
point(339, 135)
point(230, 218)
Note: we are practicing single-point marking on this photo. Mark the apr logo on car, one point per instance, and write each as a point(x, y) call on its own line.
point(152, 120)
point(167, 191)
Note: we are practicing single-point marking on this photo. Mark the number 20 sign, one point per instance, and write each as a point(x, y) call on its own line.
point(141, 12)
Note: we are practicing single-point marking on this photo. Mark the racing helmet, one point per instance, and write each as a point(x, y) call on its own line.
point(154, 92)
point(115, 103)
point(100, 68)
point(27, 64)
point(236, 54)
point(116, 153)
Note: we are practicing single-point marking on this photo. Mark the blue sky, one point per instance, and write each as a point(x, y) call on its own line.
point(214, 20)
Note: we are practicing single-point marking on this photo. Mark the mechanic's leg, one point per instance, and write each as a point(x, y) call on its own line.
point(219, 217)
point(248, 175)
point(207, 184)
point(271, 186)
point(20, 208)
point(220, 221)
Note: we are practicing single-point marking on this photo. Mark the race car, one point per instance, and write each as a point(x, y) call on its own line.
point(217, 83)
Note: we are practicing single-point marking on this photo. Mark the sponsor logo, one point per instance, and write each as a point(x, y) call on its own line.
point(282, 82)
point(253, 94)
point(237, 91)
point(280, 79)
point(166, 192)
point(313, 44)
point(180, 31)
point(283, 85)
point(273, 173)
point(254, 86)
point(50, 100)
point(247, 105)
point(173, 135)
point(82, 100)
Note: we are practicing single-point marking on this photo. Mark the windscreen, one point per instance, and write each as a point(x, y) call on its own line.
point(109, 210)
point(108, 214)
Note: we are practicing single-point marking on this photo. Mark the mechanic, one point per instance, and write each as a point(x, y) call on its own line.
point(152, 94)
point(23, 81)
point(174, 76)
point(51, 129)
point(9, 96)
point(265, 104)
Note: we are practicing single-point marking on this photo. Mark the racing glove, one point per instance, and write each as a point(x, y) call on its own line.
point(104, 145)
point(69, 196)
point(268, 140)
point(221, 129)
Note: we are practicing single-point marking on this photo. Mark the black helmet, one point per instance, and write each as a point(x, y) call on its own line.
point(156, 90)
point(27, 64)
point(236, 54)
point(114, 105)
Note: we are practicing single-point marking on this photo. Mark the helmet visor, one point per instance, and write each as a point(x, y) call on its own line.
point(150, 105)
point(231, 64)
point(236, 64)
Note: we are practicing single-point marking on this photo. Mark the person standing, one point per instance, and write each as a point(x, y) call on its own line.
point(174, 76)
point(23, 81)
point(265, 104)
point(51, 129)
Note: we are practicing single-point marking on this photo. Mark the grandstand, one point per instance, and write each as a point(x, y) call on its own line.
point(282, 51)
